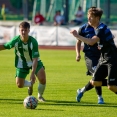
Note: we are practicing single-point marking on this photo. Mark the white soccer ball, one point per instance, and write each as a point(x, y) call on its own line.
point(30, 102)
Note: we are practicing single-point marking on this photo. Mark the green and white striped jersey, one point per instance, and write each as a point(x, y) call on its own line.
point(24, 53)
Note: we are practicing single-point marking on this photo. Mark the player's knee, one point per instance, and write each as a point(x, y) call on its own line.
point(42, 80)
point(19, 85)
point(41, 76)
point(112, 88)
point(92, 82)
point(95, 83)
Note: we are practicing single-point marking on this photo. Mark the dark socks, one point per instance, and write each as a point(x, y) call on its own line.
point(88, 86)
point(98, 90)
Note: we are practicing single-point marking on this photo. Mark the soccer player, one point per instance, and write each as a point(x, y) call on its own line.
point(92, 55)
point(27, 58)
point(105, 40)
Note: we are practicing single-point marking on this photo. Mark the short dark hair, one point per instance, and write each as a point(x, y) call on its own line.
point(24, 24)
point(97, 12)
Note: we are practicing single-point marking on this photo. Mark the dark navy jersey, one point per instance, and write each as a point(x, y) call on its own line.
point(108, 47)
point(87, 31)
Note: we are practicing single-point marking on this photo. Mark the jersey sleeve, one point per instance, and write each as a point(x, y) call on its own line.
point(11, 43)
point(79, 31)
point(35, 52)
point(104, 33)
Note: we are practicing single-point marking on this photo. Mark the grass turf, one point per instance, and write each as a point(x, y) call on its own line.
point(64, 77)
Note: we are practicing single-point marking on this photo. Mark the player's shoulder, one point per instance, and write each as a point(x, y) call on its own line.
point(15, 38)
point(32, 39)
point(102, 26)
point(83, 26)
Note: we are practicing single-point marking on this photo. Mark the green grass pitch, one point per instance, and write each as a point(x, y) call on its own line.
point(64, 77)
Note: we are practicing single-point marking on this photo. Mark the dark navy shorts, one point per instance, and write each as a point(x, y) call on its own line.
point(104, 70)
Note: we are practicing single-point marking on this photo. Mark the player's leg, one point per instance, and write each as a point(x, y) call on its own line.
point(112, 77)
point(99, 75)
point(104, 83)
point(20, 78)
point(98, 89)
point(99, 79)
point(88, 86)
point(41, 75)
point(91, 63)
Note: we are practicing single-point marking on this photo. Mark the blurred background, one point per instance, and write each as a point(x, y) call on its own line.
point(48, 32)
point(17, 10)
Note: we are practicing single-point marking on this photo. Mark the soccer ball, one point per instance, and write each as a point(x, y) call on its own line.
point(30, 102)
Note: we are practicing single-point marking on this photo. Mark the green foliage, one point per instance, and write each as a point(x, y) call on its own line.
point(64, 77)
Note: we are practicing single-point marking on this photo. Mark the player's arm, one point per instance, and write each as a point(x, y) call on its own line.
point(34, 66)
point(91, 41)
point(35, 56)
point(9, 44)
point(78, 48)
point(2, 47)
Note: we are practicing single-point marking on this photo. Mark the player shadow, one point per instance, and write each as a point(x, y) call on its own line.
point(49, 109)
point(74, 103)
point(60, 103)
point(13, 101)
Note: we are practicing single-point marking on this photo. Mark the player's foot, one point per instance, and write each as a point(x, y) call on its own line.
point(41, 99)
point(79, 95)
point(30, 90)
point(100, 101)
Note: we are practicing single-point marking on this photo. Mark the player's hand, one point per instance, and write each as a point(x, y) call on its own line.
point(74, 32)
point(78, 58)
point(99, 48)
point(32, 78)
